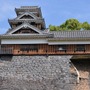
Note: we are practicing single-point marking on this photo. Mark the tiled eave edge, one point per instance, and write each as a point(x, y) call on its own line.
point(69, 39)
point(26, 36)
point(48, 37)
point(23, 20)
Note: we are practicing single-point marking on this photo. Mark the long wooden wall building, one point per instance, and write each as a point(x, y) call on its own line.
point(28, 35)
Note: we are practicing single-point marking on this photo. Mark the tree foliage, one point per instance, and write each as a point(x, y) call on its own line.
point(85, 26)
point(71, 24)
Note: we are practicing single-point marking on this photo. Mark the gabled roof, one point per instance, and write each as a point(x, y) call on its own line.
point(26, 13)
point(25, 25)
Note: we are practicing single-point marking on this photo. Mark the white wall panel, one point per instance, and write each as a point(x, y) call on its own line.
point(69, 42)
point(40, 41)
point(23, 41)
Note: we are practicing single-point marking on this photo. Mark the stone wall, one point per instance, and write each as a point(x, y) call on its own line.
point(35, 73)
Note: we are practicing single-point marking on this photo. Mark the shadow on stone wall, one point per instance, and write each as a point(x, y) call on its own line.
point(6, 58)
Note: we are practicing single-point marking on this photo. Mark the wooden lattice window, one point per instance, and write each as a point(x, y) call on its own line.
point(61, 48)
point(28, 47)
point(80, 48)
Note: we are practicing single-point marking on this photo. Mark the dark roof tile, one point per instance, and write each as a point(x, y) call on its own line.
point(71, 34)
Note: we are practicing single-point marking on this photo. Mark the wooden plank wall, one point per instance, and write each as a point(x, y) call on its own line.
point(48, 49)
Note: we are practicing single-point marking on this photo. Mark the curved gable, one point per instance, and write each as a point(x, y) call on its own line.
point(27, 15)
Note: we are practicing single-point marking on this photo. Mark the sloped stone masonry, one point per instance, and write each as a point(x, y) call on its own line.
point(35, 73)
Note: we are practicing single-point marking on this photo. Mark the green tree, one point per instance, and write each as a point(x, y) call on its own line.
point(72, 24)
point(63, 27)
point(85, 26)
point(52, 28)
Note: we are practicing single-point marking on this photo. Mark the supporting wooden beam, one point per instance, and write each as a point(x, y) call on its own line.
point(78, 75)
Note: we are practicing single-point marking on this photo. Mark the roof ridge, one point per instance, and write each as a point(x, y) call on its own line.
point(72, 31)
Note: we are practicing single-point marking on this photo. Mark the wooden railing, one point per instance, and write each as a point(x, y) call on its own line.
point(6, 50)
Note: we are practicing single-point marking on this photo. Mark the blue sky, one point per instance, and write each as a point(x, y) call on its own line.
point(55, 12)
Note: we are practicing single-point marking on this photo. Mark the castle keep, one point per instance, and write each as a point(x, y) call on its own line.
point(28, 35)
point(51, 67)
